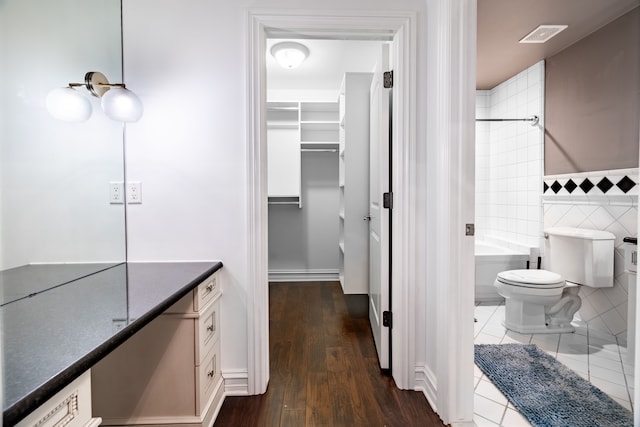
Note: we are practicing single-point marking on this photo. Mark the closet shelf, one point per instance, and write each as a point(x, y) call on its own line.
point(320, 144)
point(285, 200)
point(282, 125)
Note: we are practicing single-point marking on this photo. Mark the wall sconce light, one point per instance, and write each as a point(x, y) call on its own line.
point(117, 101)
point(289, 54)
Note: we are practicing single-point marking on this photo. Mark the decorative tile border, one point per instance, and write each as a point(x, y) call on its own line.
point(619, 182)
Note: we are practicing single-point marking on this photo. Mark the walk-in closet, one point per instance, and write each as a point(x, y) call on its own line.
point(317, 121)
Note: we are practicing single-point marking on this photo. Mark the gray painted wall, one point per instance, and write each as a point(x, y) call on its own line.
point(304, 239)
point(593, 101)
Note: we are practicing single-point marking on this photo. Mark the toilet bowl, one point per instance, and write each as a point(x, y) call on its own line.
point(537, 301)
point(545, 301)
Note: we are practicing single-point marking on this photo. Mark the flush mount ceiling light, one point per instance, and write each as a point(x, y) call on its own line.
point(289, 54)
point(542, 33)
point(117, 101)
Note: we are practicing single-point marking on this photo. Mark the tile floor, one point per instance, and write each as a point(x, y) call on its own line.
point(597, 357)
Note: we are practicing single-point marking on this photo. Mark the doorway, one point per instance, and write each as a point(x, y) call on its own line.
point(400, 27)
point(306, 159)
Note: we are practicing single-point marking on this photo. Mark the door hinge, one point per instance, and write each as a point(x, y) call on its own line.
point(387, 200)
point(387, 78)
point(387, 319)
point(469, 229)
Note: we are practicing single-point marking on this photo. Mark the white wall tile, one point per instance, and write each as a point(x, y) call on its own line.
point(513, 165)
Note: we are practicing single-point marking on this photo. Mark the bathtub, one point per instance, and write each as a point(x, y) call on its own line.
point(490, 259)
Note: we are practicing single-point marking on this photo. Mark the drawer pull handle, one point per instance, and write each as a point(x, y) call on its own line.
point(210, 287)
point(210, 328)
point(210, 374)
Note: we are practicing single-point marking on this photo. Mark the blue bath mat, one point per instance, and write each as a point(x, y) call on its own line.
point(546, 392)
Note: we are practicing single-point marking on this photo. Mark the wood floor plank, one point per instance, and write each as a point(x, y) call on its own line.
point(293, 417)
point(324, 367)
point(318, 411)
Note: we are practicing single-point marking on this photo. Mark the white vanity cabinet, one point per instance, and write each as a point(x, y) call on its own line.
point(71, 407)
point(354, 183)
point(169, 372)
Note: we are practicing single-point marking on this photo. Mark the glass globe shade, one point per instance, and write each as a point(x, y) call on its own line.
point(122, 105)
point(68, 104)
point(289, 54)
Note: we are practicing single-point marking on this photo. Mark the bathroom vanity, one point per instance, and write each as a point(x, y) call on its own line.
point(53, 336)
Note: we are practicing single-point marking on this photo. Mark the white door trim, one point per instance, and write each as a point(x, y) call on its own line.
point(403, 25)
point(452, 57)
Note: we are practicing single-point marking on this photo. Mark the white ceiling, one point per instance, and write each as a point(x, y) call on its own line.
point(501, 23)
point(327, 62)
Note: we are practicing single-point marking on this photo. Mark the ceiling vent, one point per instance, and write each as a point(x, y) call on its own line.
point(542, 33)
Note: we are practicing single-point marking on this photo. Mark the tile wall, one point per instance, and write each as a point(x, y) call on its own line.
point(602, 200)
point(509, 160)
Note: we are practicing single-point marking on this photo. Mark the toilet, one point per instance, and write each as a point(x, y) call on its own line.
point(544, 301)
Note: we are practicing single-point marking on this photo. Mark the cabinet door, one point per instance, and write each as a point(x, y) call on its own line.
point(283, 162)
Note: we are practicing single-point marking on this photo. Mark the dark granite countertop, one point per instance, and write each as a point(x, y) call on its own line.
point(52, 336)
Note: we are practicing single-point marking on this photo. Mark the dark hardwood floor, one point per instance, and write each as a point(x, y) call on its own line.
point(324, 367)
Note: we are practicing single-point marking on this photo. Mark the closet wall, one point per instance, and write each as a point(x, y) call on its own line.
point(303, 241)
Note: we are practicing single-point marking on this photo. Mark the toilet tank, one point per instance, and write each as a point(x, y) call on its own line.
point(580, 255)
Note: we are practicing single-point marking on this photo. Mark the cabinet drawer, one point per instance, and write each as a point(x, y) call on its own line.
point(206, 291)
point(208, 330)
point(209, 375)
point(71, 407)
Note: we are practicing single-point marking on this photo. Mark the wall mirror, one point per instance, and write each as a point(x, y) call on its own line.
point(57, 221)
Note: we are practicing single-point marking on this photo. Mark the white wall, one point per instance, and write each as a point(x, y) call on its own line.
point(509, 160)
point(55, 195)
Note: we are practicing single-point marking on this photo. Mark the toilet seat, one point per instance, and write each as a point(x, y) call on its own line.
point(540, 279)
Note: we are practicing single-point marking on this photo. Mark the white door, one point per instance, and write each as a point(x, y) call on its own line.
point(379, 216)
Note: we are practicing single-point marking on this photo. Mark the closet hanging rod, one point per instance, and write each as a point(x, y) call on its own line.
point(318, 150)
point(282, 108)
point(533, 120)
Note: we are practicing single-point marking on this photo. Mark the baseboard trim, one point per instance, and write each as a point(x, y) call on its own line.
point(317, 275)
point(425, 381)
point(236, 382)
point(219, 397)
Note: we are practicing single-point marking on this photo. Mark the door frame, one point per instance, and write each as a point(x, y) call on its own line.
point(327, 23)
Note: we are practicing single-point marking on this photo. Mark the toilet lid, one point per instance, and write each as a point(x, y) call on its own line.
point(531, 278)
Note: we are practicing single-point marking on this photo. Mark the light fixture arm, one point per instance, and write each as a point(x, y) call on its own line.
point(97, 83)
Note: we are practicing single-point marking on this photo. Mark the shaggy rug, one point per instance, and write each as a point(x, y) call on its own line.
point(546, 392)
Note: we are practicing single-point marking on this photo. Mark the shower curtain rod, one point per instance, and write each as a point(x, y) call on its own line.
point(533, 120)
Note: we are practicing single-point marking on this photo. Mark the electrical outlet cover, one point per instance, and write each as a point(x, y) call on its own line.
point(116, 192)
point(134, 192)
